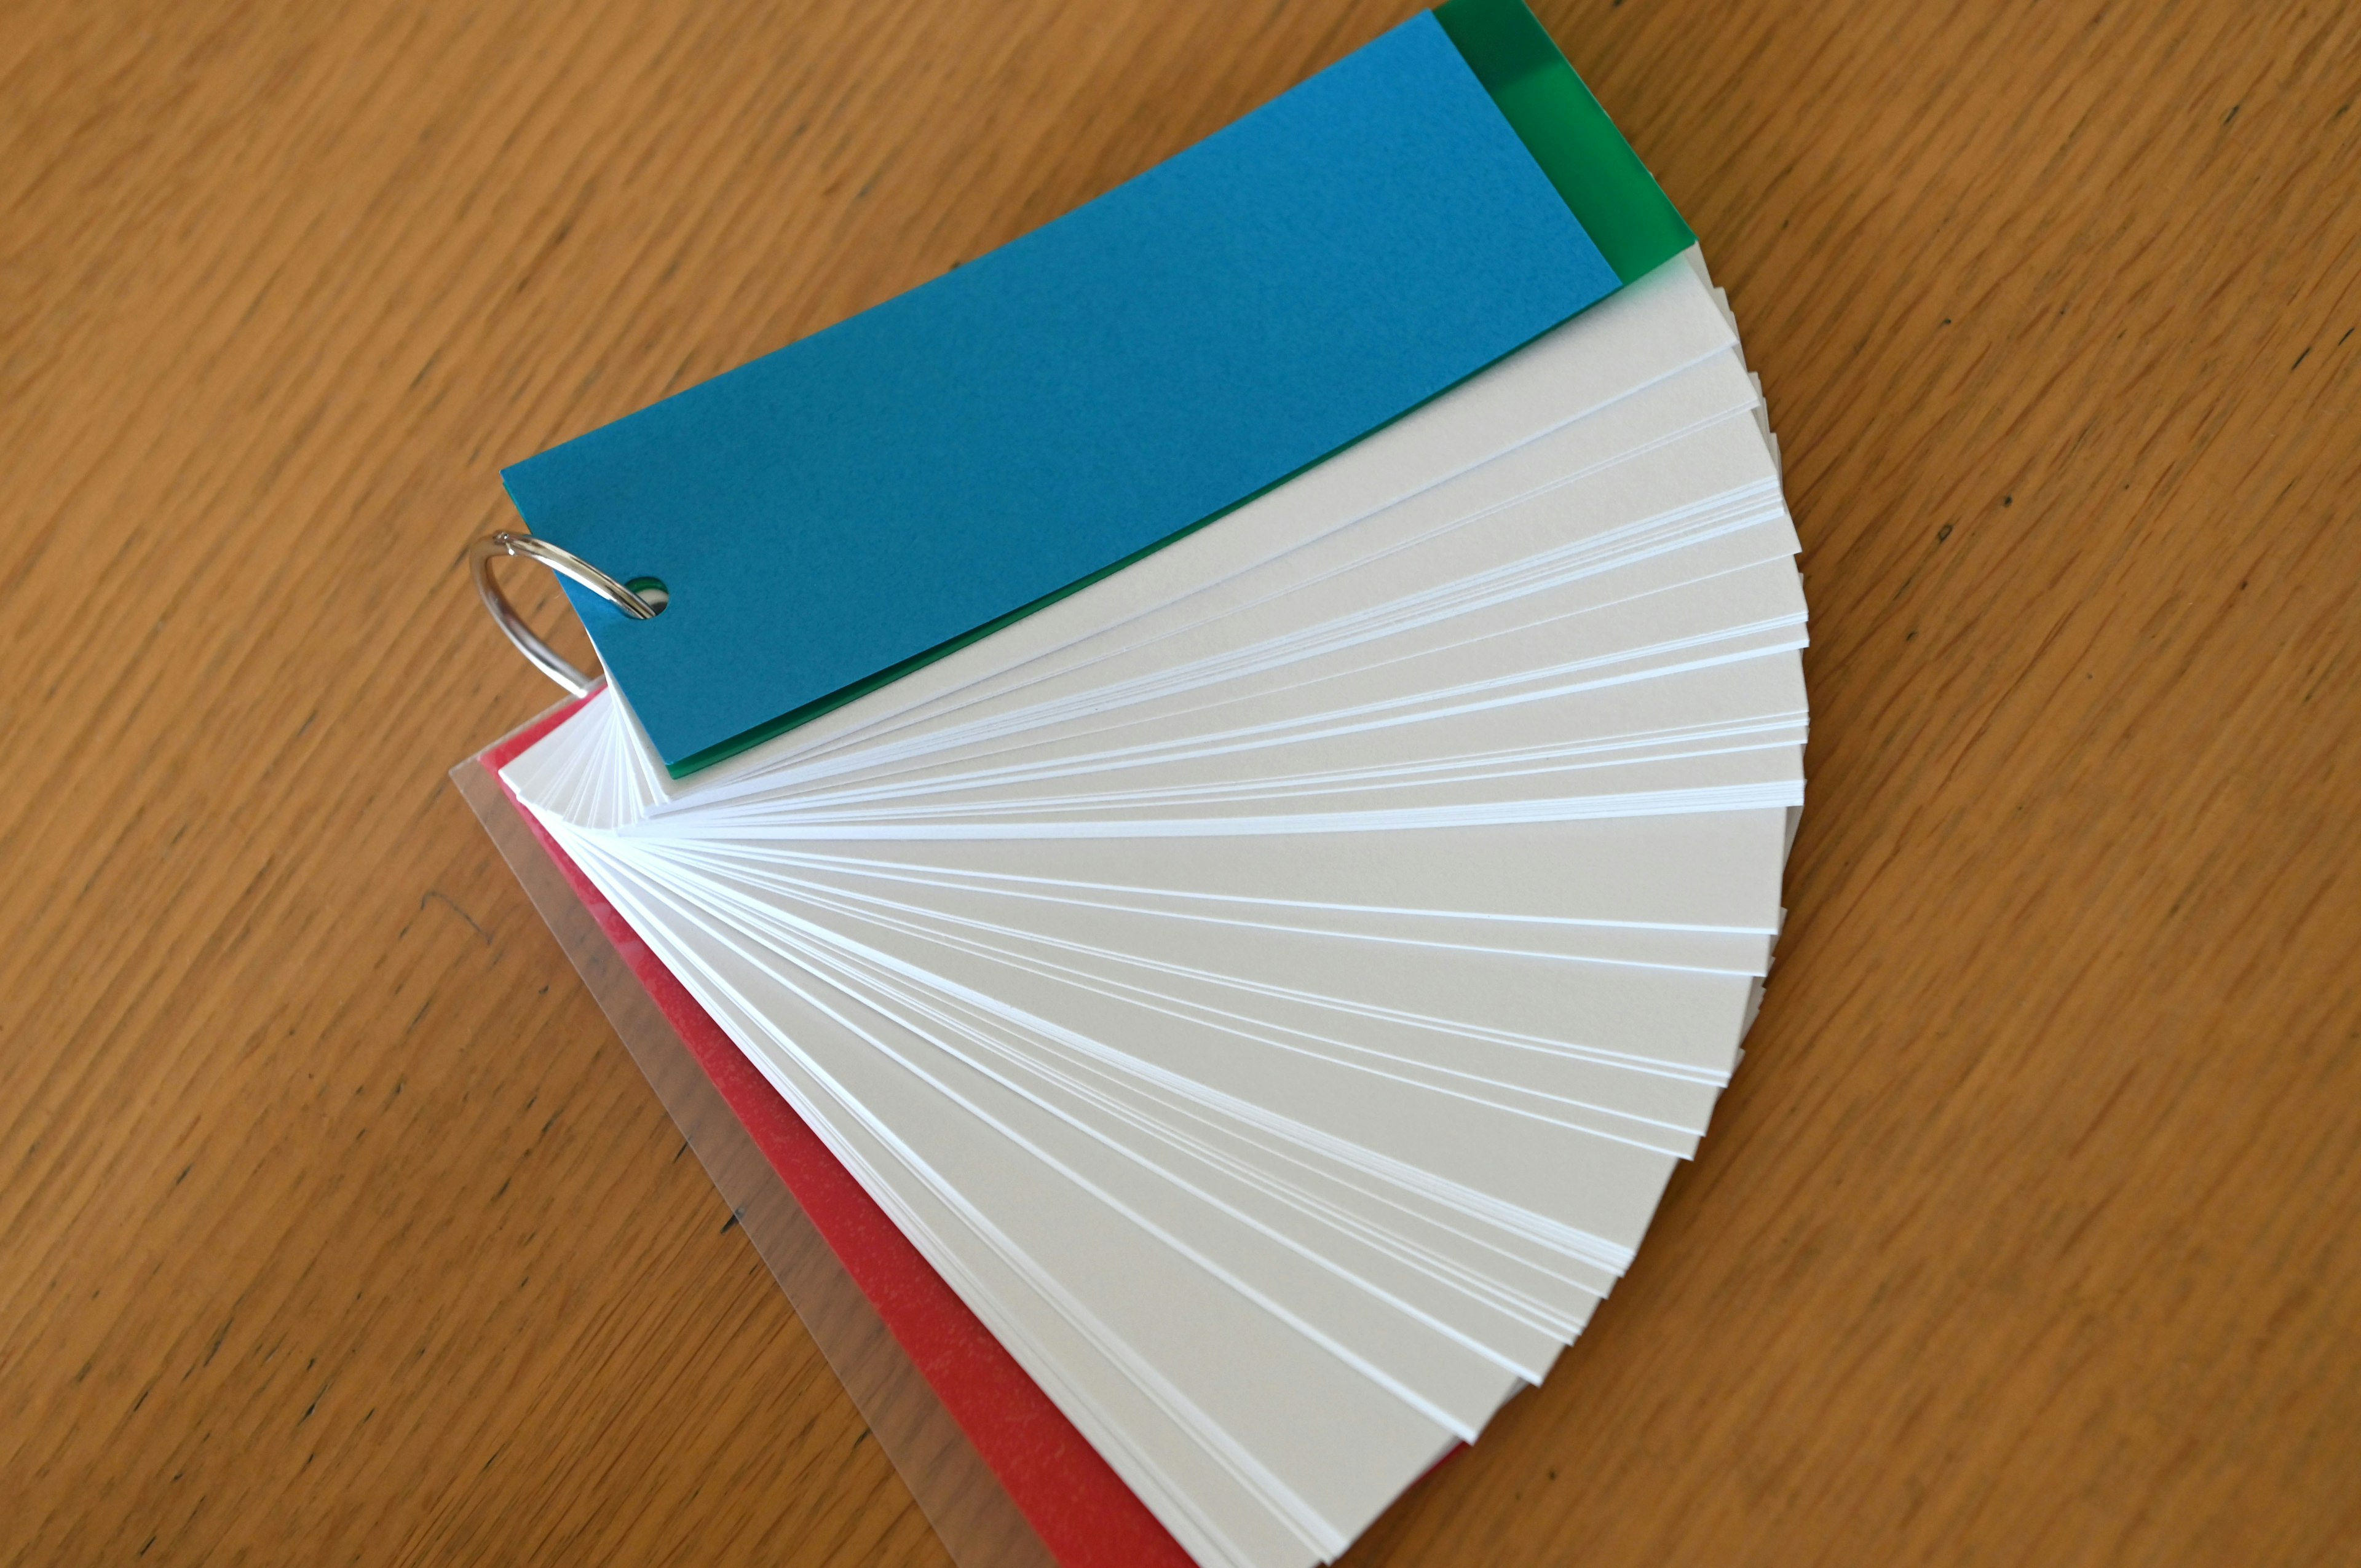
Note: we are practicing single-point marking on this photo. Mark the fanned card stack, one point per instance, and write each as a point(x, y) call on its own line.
point(1233, 761)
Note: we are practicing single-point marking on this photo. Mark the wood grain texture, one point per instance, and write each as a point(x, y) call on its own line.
point(335, 1226)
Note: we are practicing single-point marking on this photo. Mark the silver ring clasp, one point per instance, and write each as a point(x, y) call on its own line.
point(545, 658)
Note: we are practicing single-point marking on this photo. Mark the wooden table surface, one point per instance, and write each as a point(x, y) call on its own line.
point(336, 1227)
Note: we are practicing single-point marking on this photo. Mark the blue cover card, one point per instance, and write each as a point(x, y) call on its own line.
point(881, 491)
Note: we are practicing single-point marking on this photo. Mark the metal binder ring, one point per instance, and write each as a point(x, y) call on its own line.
point(545, 658)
